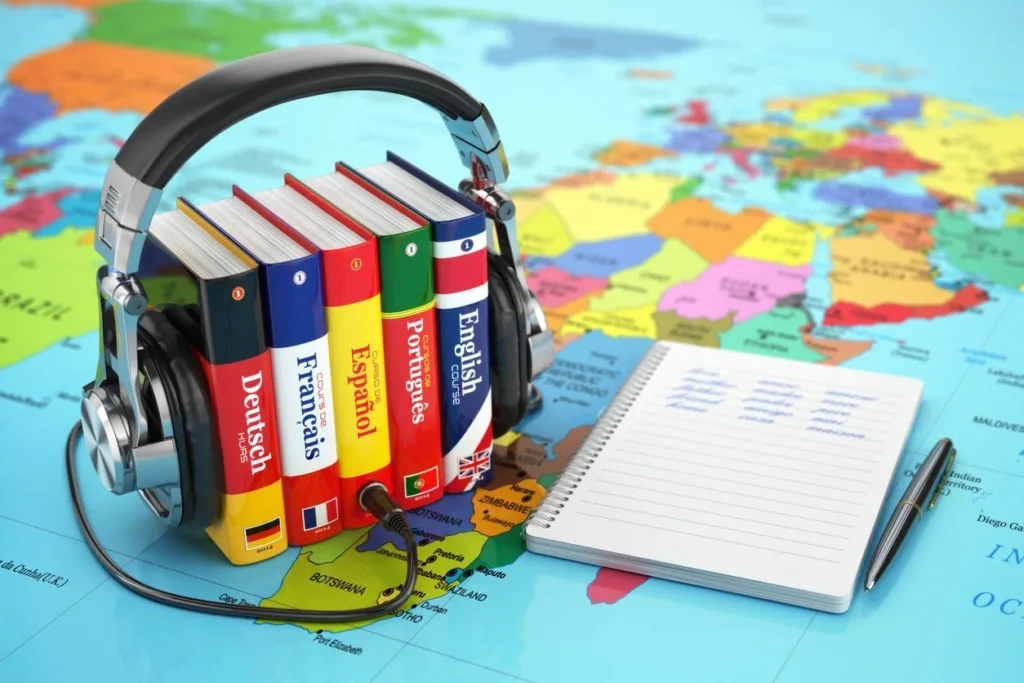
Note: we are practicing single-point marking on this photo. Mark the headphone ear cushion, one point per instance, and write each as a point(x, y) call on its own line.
point(188, 398)
point(509, 349)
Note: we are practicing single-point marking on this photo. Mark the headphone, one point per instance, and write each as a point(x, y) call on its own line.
point(146, 416)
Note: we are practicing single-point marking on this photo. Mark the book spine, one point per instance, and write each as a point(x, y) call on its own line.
point(410, 347)
point(300, 358)
point(356, 345)
point(236, 360)
point(460, 273)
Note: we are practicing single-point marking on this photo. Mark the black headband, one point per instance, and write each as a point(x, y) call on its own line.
point(200, 110)
point(196, 113)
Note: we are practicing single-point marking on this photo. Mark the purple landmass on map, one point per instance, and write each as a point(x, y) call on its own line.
point(898, 109)
point(846, 194)
point(449, 515)
point(699, 140)
point(19, 111)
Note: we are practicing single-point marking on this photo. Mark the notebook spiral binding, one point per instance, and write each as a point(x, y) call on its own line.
point(544, 514)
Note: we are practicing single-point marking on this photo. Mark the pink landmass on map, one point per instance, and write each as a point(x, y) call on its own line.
point(738, 286)
point(554, 287)
point(875, 142)
point(33, 212)
point(611, 585)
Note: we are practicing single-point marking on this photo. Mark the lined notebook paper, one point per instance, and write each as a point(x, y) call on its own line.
point(735, 471)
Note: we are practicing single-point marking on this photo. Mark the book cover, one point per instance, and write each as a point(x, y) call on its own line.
point(410, 346)
point(230, 344)
point(459, 247)
point(296, 333)
point(355, 337)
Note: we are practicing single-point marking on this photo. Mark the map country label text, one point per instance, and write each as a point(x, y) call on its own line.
point(1000, 524)
point(34, 573)
point(336, 644)
point(340, 584)
point(232, 600)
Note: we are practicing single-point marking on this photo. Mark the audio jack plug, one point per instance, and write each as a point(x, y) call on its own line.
point(374, 498)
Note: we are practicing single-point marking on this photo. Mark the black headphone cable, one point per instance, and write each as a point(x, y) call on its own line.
point(373, 497)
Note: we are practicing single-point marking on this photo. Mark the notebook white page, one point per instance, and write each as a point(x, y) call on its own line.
point(753, 468)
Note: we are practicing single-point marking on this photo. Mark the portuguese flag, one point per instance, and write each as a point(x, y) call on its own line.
point(421, 482)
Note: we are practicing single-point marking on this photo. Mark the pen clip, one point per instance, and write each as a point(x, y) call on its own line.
point(944, 479)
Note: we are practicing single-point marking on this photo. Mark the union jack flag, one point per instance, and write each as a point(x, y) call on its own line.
point(475, 465)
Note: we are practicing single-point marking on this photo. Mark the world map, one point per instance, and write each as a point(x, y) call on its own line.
point(828, 186)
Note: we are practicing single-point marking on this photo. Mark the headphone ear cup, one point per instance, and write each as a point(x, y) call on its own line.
point(188, 399)
point(509, 349)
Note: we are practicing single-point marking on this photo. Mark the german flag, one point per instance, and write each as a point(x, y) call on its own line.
point(263, 534)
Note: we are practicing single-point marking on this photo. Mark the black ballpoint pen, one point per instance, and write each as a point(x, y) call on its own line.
point(909, 509)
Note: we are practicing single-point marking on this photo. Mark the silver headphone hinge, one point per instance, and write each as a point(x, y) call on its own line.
point(124, 302)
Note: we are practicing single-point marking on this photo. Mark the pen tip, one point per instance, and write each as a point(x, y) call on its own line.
point(869, 585)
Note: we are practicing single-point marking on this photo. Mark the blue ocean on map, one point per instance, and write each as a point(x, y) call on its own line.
point(563, 82)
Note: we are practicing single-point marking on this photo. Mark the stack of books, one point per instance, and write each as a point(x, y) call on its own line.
point(342, 325)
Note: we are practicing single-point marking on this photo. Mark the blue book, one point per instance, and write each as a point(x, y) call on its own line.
point(459, 240)
point(295, 323)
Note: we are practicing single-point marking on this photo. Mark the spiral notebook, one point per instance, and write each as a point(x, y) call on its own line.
point(751, 474)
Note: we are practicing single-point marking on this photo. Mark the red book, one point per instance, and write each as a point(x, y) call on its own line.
point(405, 263)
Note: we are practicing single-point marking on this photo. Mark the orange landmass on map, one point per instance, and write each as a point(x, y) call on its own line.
point(836, 351)
point(496, 511)
point(908, 230)
point(584, 179)
point(80, 4)
point(88, 75)
point(626, 153)
point(556, 317)
point(709, 231)
point(870, 269)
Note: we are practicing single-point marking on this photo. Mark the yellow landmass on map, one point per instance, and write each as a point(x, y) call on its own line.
point(812, 138)
point(811, 109)
point(496, 511)
point(937, 111)
point(606, 211)
point(967, 150)
point(544, 233)
point(629, 153)
point(634, 322)
point(760, 135)
point(526, 204)
point(644, 284)
point(1015, 218)
point(783, 241)
point(506, 439)
point(48, 291)
point(357, 578)
point(756, 135)
point(869, 269)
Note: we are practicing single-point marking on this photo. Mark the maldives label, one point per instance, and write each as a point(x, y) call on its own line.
point(465, 392)
point(305, 407)
point(413, 411)
point(243, 406)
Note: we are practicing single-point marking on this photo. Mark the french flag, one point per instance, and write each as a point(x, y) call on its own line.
point(319, 515)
